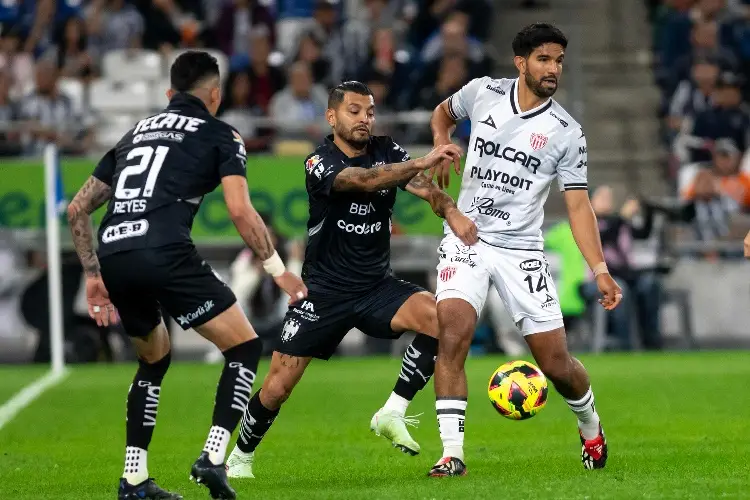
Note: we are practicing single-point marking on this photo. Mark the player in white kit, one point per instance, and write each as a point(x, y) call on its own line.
point(521, 139)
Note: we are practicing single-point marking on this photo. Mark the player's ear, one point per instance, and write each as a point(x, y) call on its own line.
point(170, 94)
point(331, 117)
point(520, 63)
point(216, 95)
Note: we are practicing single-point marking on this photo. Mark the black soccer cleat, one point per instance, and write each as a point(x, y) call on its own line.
point(148, 489)
point(213, 477)
point(594, 451)
point(448, 467)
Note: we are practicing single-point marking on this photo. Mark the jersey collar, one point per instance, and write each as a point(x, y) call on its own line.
point(517, 107)
point(185, 99)
point(333, 148)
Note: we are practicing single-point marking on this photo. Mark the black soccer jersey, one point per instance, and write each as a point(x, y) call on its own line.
point(160, 171)
point(349, 247)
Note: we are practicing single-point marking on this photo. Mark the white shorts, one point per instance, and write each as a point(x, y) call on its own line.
point(521, 278)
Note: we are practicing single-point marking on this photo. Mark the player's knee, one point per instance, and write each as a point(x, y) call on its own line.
point(429, 324)
point(156, 366)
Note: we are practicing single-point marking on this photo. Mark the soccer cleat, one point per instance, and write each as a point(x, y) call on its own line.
point(594, 451)
point(240, 464)
point(148, 489)
point(213, 477)
point(448, 467)
point(392, 426)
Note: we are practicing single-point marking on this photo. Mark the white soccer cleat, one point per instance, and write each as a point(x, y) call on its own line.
point(240, 464)
point(392, 426)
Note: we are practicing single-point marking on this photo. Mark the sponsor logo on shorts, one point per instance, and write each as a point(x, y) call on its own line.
point(129, 229)
point(190, 317)
point(447, 273)
point(549, 301)
point(531, 265)
point(464, 255)
point(307, 311)
point(291, 327)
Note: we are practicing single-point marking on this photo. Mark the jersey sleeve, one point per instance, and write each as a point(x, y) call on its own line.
point(397, 154)
point(320, 172)
point(461, 103)
point(232, 154)
point(572, 170)
point(105, 169)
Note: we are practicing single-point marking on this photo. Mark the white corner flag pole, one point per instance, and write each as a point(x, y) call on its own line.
point(53, 257)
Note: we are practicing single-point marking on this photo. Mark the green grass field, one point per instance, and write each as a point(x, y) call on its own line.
point(678, 426)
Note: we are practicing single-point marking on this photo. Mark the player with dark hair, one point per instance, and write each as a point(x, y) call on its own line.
point(351, 182)
point(521, 139)
point(155, 179)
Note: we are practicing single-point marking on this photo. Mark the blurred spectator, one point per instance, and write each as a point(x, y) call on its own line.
point(641, 290)
point(70, 51)
point(454, 38)
point(48, 116)
point(9, 138)
point(170, 23)
point(358, 32)
point(237, 19)
point(725, 173)
point(300, 107)
point(294, 16)
point(266, 78)
point(328, 30)
point(388, 62)
point(114, 25)
point(310, 51)
point(728, 118)
point(693, 95)
point(17, 64)
point(379, 85)
point(452, 75)
point(240, 111)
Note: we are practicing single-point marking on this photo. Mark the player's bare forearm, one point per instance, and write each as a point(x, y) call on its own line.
point(254, 233)
point(440, 201)
point(376, 178)
point(91, 196)
point(442, 124)
point(584, 226)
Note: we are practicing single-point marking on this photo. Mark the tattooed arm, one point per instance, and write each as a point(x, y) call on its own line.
point(440, 201)
point(392, 174)
point(246, 219)
point(91, 196)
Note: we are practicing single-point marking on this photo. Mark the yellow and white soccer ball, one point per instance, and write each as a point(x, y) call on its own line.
point(518, 390)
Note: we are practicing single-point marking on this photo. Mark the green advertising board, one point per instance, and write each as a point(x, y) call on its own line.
point(277, 186)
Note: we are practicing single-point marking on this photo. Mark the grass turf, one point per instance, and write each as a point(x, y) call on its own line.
point(677, 425)
point(13, 379)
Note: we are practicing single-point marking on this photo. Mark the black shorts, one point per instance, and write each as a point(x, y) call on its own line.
point(317, 325)
point(175, 277)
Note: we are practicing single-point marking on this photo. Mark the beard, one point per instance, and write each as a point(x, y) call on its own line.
point(352, 137)
point(537, 88)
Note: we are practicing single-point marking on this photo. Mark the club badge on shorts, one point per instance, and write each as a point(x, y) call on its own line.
point(447, 273)
point(538, 141)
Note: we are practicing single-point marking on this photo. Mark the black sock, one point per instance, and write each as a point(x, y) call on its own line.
point(255, 423)
point(236, 383)
point(143, 402)
point(417, 366)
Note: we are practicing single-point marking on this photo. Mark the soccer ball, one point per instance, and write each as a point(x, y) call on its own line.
point(518, 390)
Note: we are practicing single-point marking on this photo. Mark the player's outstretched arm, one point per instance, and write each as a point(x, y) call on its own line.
point(392, 174)
point(444, 207)
point(442, 125)
point(253, 231)
point(91, 196)
point(585, 230)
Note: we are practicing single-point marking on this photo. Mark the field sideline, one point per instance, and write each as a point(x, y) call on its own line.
point(677, 424)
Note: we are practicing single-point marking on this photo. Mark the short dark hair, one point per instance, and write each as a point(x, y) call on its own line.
point(336, 95)
point(536, 35)
point(191, 68)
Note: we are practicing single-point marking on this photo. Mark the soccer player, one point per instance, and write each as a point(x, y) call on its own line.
point(351, 182)
point(521, 139)
point(154, 180)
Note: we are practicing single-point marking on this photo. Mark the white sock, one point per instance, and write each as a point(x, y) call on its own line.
point(397, 404)
point(136, 468)
point(216, 444)
point(451, 414)
point(588, 419)
point(237, 452)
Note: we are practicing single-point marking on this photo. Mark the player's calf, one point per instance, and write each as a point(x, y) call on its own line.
point(570, 379)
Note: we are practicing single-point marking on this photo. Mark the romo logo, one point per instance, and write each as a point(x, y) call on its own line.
point(486, 206)
point(129, 229)
point(190, 317)
point(531, 265)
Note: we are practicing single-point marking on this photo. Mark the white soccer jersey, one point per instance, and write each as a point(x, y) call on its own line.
point(513, 158)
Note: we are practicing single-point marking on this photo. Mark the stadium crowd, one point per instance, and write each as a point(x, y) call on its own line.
point(280, 57)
